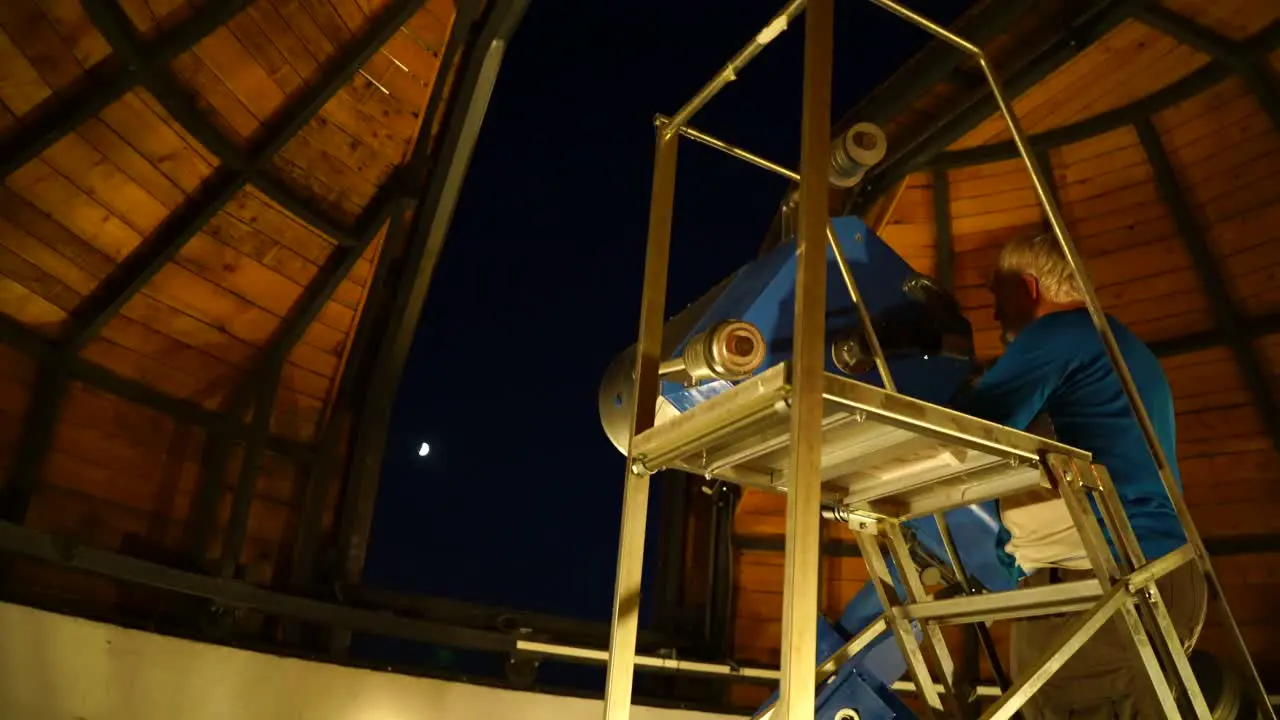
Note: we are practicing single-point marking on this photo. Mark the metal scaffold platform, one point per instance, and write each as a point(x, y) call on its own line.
point(874, 459)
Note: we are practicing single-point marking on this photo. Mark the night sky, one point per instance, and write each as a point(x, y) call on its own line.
point(539, 284)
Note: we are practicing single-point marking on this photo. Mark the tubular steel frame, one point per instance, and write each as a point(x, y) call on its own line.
point(800, 579)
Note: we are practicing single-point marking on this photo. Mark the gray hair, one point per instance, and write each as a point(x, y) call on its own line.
point(1041, 257)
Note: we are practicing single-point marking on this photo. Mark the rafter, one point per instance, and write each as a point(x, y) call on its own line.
point(107, 82)
point(1225, 316)
point(228, 180)
point(1188, 87)
point(136, 270)
point(44, 352)
point(1236, 55)
point(979, 105)
point(945, 271)
point(261, 382)
point(467, 104)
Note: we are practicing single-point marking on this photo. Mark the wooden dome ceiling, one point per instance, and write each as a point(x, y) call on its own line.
point(1160, 123)
point(210, 212)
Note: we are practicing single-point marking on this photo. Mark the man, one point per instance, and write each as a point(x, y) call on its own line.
point(1055, 365)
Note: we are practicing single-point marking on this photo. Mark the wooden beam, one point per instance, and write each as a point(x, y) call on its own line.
point(107, 82)
point(1188, 87)
point(138, 269)
point(944, 246)
point(247, 482)
point(1225, 315)
point(28, 342)
point(426, 234)
point(1234, 54)
point(938, 62)
point(156, 252)
point(979, 105)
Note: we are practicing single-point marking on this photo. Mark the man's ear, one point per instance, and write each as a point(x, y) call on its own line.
point(1033, 287)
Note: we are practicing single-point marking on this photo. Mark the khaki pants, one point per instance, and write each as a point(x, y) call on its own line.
point(1104, 680)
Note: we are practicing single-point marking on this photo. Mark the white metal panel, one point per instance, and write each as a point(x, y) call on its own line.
point(56, 667)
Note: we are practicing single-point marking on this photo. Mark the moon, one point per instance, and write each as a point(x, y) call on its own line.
point(424, 449)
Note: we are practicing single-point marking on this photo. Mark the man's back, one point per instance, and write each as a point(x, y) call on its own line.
point(1058, 365)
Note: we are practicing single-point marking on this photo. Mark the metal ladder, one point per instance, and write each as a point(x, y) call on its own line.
point(815, 434)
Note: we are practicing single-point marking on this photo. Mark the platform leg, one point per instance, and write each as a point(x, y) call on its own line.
point(1150, 604)
point(635, 501)
point(980, 629)
point(934, 645)
point(899, 625)
point(804, 496)
point(1070, 483)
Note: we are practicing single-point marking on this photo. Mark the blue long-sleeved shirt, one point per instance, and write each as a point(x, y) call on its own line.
point(1059, 365)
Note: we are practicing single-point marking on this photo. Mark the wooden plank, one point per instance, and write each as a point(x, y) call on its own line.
point(1096, 213)
point(995, 177)
point(21, 87)
point(34, 35)
point(189, 330)
point(1134, 205)
point(1077, 153)
point(1109, 51)
point(1015, 217)
point(180, 382)
point(251, 208)
point(341, 205)
point(17, 376)
point(1125, 72)
point(73, 24)
point(1227, 422)
point(315, 360)
point(1104, 175)
point(1230, 479)
point(1246, 231)
point(230, 231)
point(49, 288)
point(228, 59)
point(212, 375)
point(249, 279)
point(1237, 19)
point(1156, 73)
point(1203, 113)
point(1015, 199)
point(321, 137)
point(1217, 153)
point(37, 224)
point(137, 119)
point(129, 161)
point(994, 238)
point(296, 416)
point(1174, 326)
point(58, 198)
point(1245, 189)
point(278, 479)
point(1222, 446)
point(30, 309)
point(1239, 518)
point(99, 178)
point(212, 96)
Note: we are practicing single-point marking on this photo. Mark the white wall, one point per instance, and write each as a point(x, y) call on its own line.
point(55, 667)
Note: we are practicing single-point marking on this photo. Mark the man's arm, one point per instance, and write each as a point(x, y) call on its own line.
point(1017, 387)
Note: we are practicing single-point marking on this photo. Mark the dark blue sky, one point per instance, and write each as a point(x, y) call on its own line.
point(539, 283)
